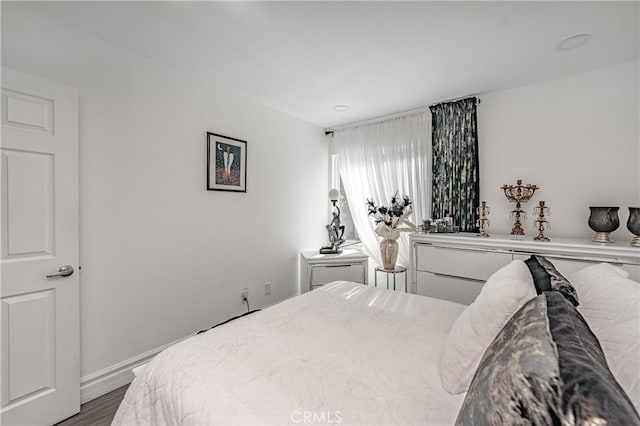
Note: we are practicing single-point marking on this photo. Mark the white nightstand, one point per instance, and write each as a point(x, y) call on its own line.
point(318, 269)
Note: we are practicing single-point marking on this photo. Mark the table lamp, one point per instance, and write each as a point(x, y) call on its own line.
point(335, 229)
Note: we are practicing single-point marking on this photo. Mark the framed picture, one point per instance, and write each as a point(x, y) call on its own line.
point(226, 163)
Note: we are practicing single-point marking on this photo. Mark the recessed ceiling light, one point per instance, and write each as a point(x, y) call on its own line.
point(340, 108)
point(573, 42)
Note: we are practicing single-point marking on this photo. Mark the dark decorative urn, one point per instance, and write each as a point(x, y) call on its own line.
point(633, 225)
point(604, 220)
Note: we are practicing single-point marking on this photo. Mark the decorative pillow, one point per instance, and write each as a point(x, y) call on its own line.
point(610, 303)
point(545, 367)
point(540, 277)
point(547, 278)
point(502, 295)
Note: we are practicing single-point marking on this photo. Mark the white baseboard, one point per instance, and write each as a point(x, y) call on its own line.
point(104, 381)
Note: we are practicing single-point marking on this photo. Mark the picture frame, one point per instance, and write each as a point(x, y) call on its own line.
point(226, 163)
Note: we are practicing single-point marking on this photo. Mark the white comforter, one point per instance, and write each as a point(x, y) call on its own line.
point(345, 353)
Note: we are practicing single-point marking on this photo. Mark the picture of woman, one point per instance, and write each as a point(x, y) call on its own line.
point(226, 164)
point(228, 161)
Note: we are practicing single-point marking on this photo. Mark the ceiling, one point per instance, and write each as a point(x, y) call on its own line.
point(378, 58)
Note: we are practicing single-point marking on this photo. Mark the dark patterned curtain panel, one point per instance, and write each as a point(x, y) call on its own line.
point(456, 186)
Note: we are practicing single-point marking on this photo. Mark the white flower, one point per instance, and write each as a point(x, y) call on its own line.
point(389, 226)
point(393, 233)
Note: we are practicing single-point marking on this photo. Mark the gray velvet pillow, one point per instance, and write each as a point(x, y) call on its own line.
point(545, 367)
point(547, 278)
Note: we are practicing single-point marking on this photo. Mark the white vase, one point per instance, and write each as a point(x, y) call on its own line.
point(389, 253)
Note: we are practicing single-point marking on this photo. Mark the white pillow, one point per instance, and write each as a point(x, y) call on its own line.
point(501, 296)
point(610, 303)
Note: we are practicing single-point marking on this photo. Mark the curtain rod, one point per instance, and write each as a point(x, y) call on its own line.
point(456, 100)
point(329, 131)
point(375, 120)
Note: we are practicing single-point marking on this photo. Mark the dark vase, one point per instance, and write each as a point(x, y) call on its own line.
point(633, 225)
point(604, 220)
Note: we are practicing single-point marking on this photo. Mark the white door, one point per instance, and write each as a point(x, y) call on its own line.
point(39, 315)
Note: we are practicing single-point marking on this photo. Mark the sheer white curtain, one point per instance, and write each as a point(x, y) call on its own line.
point(378, 159)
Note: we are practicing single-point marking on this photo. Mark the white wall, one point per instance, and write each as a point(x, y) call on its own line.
point(576, 138)
point(162, 257)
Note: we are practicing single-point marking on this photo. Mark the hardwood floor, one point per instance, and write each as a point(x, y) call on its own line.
point(98, 412)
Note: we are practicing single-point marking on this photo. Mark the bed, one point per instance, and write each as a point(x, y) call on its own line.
point(345, 353)
point(358, 355)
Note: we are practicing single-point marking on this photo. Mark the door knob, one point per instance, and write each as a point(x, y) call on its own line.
point(64, 271)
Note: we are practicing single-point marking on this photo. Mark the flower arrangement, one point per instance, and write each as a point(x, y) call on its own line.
point(390, 219)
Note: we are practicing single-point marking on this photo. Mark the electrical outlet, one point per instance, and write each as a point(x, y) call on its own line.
point(267, 288)
point(244, 295)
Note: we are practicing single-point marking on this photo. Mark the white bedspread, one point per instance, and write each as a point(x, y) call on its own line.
point(345, 353)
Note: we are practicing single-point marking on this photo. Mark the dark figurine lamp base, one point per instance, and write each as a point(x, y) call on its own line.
point(330, 250)
point(335, 229)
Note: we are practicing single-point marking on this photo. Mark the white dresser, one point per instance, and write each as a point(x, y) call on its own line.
point(319, 269)
point(455, 266)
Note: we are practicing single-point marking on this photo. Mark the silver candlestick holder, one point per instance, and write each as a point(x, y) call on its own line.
point(541, 211)
point(483, 222)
